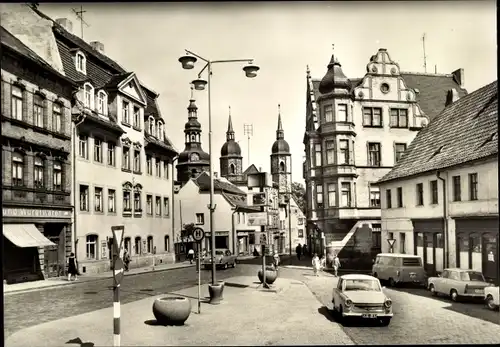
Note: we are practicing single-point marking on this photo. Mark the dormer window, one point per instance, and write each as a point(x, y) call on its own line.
point(160, 130)
point(81, 63)
point(151, 126)
point(89, 95)
point(102, 102)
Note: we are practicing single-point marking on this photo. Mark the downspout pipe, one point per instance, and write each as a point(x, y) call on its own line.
point(445, 220)
point(75, 198)
point(235, 238)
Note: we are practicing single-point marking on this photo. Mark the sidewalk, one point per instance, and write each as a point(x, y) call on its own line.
point(242, 311)
point(63, 281)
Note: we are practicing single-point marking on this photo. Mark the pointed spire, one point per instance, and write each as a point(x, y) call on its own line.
point(192, 108)
point(308, 72)
point(230, 131)
point(280, 134)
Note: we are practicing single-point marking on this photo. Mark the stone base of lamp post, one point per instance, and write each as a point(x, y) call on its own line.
point(215, 291)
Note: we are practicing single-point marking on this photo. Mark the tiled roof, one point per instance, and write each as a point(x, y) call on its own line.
point(116, 79)
point(433, 90)
point(239, 201)
point(203, 181)
point(250, 170)
point(465, 131)
point(163, 144)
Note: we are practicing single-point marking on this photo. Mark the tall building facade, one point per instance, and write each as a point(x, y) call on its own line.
point(356, 130)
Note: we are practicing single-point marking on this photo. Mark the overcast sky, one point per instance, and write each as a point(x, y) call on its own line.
point(282, 38)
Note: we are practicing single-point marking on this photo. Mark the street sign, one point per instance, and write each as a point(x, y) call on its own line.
point(198, 234)
point(391, 242)
point(119, 272)
point(257, 218)
point(259, 199)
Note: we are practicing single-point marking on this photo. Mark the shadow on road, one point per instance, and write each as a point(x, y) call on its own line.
point(325, 311)
point(78, 341)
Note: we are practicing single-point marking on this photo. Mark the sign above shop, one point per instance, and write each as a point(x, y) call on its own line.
point(35, 213)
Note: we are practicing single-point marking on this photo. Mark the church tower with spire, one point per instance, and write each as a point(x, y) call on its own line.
point(231, 161)
point(193, 160)
point(281, 159)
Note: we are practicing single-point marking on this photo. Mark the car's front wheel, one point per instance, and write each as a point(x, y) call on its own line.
point(432, 289)
point(234, 264)
point(491, 303)
point(385, 321)
point(454, 295)
point(225, 266)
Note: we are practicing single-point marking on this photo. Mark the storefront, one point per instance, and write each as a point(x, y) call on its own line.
point(243, 242)
point(477, 245)
point(429, 244)
point(221, 240)
point(37, 243)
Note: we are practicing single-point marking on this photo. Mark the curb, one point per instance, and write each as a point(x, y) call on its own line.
point(96, 279)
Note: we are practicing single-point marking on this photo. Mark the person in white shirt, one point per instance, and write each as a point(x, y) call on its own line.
point(191, 255)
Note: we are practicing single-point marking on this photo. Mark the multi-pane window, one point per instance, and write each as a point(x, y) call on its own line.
point(152, 129)
point(158, 167)
point(84, 197)
point(434, 191)
point(372, 116)
point(17, 169)
point(400, 148)
point(399, 196)
point(388, 198)
point(420, 194)
point(158, 206)
point(137, 245)
point(80, 62)
point(330, 152)
point(166, 207)
point(102, 103)
point(341, 113)
point(332, 195)
point(319, 194)
point(111, 200)
point(57, 172)
point(137, 117)
point(98, 199)
point(200, 218)
point(317, 154)
point(17, 103)
point(399, 118)
point(38, 111)
point(137, 202)
point(150, 244)
point(111, 153)
point(344, 151)
point(38, 171)
point(160, 131)
point(165, 169)
point(373, 154)
point(473, 186)
point(457, 189)
point(328, 112)
point(137, 160)
point(98, 150)
point(345, 197)
point(83, 142)
point(89, 96)
point(57, 117)
point(125, 112)
point(126, 158)
point(126, 201)
point(149, 204)
point(374, 196)
point(149, 164)
point(91, 243)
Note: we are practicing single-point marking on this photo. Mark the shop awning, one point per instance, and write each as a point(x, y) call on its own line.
point(25, 235)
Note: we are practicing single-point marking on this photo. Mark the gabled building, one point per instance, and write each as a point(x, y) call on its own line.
point(356, 130)
point(440, 201)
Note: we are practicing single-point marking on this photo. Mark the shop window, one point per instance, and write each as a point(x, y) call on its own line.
point(137, 245)
point(463, 251)
point(150, 244)
point(476, 256)
point(91, 243)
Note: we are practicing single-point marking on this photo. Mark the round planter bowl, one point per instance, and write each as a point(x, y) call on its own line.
point(271, 276)
point(172, 310)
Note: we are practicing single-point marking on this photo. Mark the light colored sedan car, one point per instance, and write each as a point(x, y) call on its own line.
point(223, 258)
point(492, 297)
point(458, 283)
point(361, 296)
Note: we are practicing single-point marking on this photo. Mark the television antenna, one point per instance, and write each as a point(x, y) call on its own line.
point(79, 15)
point(248, 130)
point(425, 57)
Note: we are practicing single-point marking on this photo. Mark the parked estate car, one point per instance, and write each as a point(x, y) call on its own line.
point(399, 268)
point(492, 297)
point(458, 283)
point(223, 258)
point(361, 296)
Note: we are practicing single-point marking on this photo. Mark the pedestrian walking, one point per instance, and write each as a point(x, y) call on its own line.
point(276, 260)
point(322, 262)
point(316, 263)
point(336, 265)
point(298, 250)
point(191, 255)
point(72, 267)
point(304, 250)
point(126, 259)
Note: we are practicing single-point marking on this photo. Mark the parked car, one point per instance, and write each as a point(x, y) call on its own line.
point(223, 258)
point(458, 283)
point(399, 268)
point(361, 296)
point(491, 295)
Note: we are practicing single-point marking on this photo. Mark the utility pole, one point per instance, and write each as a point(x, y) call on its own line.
point(425, 57)
point(248, 130)
point(79, 15)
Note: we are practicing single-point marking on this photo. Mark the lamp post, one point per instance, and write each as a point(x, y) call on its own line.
point(187, 62)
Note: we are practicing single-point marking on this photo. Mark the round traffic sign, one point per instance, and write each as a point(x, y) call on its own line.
point(198, 234)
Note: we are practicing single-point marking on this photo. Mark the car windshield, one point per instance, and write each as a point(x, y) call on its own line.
point(219, 252)
point(472, 276)
point(362, 284)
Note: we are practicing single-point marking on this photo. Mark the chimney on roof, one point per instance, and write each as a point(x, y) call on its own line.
point(98, 46)
point(65, 23)
point(452, 96)
point(260, 168)
point(458, 76)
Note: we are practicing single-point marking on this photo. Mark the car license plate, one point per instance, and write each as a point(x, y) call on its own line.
point(478, 291)
point(413, 274)
point(368, 315)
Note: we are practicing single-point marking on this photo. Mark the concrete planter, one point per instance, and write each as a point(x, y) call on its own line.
point(215, 291)
point(172, 310)
point(271, 275)
point(222, 293)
